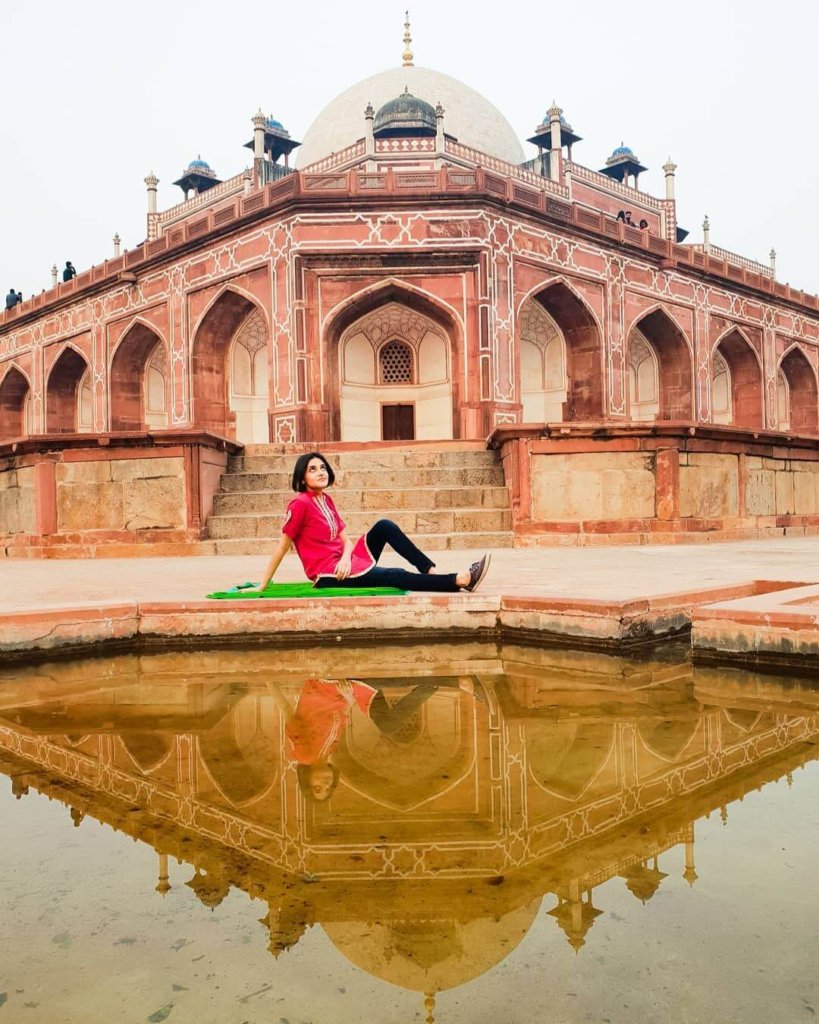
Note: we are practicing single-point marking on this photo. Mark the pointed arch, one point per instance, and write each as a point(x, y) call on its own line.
point(210, 363)
point(802, 391)
point(15, 392)
point(445, 325)
point(129, 367)
point(747, 392)
point(63, 391)
point(675, 362)
point(582, 343)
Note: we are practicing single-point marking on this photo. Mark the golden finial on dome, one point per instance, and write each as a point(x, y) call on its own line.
point(407, 54)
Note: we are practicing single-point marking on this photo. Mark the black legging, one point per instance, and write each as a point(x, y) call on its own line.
point(386, 532)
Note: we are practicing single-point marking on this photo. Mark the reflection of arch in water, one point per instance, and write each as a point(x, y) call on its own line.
point(668, 738)
point(241, 755)
point(148, 750)
point(739, 722)
point(564, 758)
point(402, 774)
point(432, 955)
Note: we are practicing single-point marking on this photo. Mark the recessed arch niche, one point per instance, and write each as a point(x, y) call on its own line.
point(227, 343)
point(395, 355)
point(15, 405)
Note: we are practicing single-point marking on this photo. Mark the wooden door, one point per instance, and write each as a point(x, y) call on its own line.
point(397, 422)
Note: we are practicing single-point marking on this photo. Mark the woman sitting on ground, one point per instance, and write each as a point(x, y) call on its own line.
point(330, 559)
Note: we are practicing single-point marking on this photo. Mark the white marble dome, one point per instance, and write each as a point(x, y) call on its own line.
point(468, 116)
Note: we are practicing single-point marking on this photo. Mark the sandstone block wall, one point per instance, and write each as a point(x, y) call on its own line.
point(123, 494)
point(17, 500)
point(593, 485)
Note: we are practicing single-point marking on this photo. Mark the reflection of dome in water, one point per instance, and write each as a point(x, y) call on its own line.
point(429, 956)
point(468, 116)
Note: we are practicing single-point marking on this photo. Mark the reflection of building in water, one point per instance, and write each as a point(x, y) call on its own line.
point(429, 863)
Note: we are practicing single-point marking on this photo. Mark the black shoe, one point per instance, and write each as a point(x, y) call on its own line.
point(477, 571)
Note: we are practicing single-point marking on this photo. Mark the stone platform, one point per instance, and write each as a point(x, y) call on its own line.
point(755, 602)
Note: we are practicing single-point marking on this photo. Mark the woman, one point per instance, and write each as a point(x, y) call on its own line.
point(321, 714)
point(330, 559)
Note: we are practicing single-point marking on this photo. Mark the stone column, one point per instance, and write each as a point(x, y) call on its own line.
point(556, 142)
point(247, 180)
point(669, 167)
point(369, 138)
point(772, 255)
point(706, 234)
point(117, 244)
point(259, 122)
point(54, 273)
point(439, 128)
point(151, 181)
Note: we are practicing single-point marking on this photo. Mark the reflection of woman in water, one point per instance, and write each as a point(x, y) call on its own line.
point(322, 711)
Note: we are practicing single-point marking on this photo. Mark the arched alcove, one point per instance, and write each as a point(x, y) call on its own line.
point(745, 375)
point(801, 392)
point(673, 354)
point(542, 365)
point(14, 394)
point(138, 381)
point(211, 366)
point(394, 369)
point(643, 379)
point(249, 377)
point(583, 367)
point(68, 394)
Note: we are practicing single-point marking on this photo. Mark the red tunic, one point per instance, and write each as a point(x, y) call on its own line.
point(321, 714)
point(314, 525)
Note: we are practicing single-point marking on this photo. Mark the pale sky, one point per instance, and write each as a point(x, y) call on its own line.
point(97, 94)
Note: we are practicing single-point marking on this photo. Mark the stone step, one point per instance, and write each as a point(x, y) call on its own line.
point(389, 458)
point(398, 479)
point(477, 542)
point(376, 501)
point(420, 523)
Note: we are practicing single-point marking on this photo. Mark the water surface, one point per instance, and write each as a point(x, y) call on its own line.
point(508, 835)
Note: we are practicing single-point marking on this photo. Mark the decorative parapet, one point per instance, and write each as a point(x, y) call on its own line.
point(335, 160)
point(606, 184)
point(474, 156)
point(225, 189)
point(735, 260)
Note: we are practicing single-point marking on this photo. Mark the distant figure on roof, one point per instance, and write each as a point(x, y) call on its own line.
point(643, 225)
point(13, 298)
point(69, 271)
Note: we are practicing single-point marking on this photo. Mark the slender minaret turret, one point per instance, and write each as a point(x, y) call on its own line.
point(407, 55)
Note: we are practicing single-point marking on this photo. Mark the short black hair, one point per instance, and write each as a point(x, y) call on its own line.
point(303, 778)
point(300, 469)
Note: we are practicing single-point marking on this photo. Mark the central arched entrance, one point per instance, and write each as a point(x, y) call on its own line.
point(395, 376)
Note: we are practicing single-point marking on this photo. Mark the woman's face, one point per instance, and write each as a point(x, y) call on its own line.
point(315, 476)
point(322, 781)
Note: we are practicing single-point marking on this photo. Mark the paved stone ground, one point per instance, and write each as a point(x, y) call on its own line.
point(741, 599)
point(616, 574)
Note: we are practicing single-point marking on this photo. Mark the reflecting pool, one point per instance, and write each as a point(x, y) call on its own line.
point(459, 834)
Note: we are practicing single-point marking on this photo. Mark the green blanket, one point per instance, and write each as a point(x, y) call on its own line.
point(287, 591)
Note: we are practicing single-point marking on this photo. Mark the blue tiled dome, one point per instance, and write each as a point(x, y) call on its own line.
point(622, 151)
point(199, 165)
point(274, 124)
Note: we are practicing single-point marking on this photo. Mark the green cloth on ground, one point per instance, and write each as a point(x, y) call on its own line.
point(244, 592)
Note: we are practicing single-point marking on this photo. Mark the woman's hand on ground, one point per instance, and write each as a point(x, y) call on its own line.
point(344, 567)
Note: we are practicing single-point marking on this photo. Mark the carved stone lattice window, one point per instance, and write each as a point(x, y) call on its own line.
point(395, 361)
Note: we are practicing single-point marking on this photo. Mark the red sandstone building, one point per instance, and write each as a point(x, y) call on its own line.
point(416, 279)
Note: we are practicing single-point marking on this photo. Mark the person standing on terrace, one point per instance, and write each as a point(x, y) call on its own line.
point(331, 559)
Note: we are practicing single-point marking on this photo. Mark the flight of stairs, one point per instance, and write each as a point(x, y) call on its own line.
point(443, 497)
